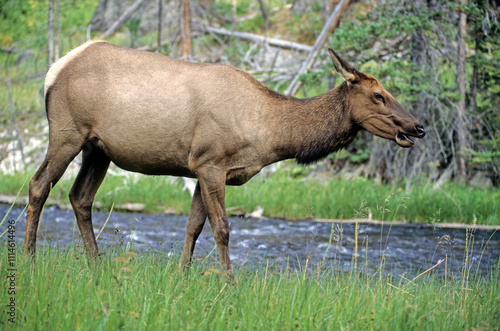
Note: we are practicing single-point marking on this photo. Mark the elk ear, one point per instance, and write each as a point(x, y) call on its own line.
point(347, 71)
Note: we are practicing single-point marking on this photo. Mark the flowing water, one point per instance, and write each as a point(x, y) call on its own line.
point(397, 249)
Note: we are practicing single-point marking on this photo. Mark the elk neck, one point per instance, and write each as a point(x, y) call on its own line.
point(310, 129)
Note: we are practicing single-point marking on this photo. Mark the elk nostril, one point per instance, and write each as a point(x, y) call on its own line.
point(420, 130)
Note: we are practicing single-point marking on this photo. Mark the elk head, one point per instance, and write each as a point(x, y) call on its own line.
point(374, 109)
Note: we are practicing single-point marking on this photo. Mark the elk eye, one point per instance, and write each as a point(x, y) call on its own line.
point(379, 97)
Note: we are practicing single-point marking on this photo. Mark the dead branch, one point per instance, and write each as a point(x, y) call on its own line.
point(125, 16)
point(327, 30)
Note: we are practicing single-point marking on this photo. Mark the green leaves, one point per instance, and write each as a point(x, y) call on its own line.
point(23, 24)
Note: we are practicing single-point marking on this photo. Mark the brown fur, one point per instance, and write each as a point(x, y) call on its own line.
point(156, 115)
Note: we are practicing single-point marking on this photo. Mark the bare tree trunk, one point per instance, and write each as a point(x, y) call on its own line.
point(185, 29)
point(420, 58)
point(461, 139)
point(50, 34)
point(160, 22)
point(475, 76)
point(407, 163)
point(420, 55)
point(264, 13)
point(58, 33)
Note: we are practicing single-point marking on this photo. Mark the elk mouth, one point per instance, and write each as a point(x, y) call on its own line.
point(404, 140)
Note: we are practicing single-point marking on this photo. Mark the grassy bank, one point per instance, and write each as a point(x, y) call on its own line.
point(58, 291)
point(284, 196)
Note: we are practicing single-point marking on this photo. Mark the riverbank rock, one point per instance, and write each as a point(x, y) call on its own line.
point(481, 180)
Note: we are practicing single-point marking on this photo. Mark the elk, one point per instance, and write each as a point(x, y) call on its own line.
point(156, 115)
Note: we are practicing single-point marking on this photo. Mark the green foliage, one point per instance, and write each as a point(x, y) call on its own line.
point(405, 78)
point(23, 24)
point(485, 39)
point(290, 194)
point(226, 8)
point(358, 156)
point(252, 24)
point(133, 26)
point(482, 157)
point(411, 50)
point(21, 20)
point(311, 78)
point(23, 27)
point(306, 26)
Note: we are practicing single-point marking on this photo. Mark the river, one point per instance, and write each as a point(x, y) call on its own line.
point(397, 249)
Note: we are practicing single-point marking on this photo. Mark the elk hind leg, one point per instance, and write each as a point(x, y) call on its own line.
point(92, 172)
point(52, 168)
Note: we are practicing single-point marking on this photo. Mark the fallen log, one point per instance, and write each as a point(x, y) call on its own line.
point(23, 200)
point(275, 42)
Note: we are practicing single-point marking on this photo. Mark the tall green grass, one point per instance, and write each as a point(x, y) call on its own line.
point(59, 291)
point(284, 196)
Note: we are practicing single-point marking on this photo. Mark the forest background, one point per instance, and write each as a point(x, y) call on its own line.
point(440, 59)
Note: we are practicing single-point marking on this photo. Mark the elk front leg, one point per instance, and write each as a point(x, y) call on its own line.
point(197, 217)
point(212, 183)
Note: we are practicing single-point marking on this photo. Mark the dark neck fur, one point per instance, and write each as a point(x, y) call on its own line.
point(318, 126)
